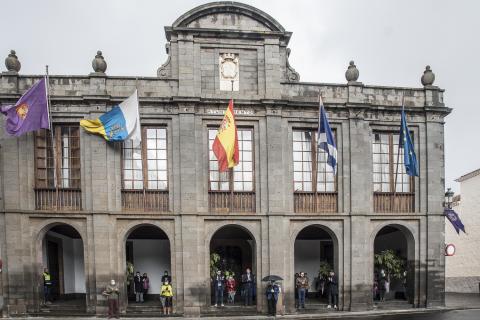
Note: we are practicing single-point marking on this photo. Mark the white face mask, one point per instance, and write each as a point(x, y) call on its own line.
point(112, 282)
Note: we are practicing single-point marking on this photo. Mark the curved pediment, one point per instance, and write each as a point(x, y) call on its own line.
point(228, 15)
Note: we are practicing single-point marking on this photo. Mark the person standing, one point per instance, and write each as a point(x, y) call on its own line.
point(166, 277)
point(296, 288)
point(219, 287)
point(272, 293)
point(47, 286)
point(231, 285)
point(382, 285)
point(332, 290)
point(302, 286)
point(145, 285)
point(137, 287)
point(248, 282)
point(166, 296)
point(112, 293)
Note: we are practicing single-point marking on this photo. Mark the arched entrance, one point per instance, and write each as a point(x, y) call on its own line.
point(315, 254)
point(147, 250)
point(232, 251)
point(394, 245)
point(63, 255)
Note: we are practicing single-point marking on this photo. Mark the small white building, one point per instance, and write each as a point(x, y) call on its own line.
point(462, 271)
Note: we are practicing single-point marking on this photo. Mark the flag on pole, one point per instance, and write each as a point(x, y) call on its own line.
point(454, 219)
point(119, 124)
point(405, 142)
point(326, 140)
point(30, 113)
point(225, 146)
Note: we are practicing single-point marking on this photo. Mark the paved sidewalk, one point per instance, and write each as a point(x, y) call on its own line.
point(453, 301)
point(462, 300)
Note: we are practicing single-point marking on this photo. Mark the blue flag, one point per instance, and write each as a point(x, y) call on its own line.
point(454, 219)
point(326, 141)
point(405, 142)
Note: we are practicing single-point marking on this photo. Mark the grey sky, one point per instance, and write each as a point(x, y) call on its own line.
point(390, 41)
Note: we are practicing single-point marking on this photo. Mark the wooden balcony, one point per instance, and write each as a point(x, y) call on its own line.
point(58, 199)
point(388, 202)
point(309, 202)
point(145, 200)
point(227, 201)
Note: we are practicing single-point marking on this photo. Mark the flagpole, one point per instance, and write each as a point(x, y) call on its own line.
point(398, 159)
point(47, 82)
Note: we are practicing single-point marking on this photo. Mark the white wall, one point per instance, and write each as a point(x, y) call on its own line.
point(152, 257)
point(465, 264)
point(307, 259)
point(73, 263)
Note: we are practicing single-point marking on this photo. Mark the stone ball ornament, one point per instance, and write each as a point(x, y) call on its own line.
point(428, 77)
point(99, 64)
point(352, 72)
point(12, 63)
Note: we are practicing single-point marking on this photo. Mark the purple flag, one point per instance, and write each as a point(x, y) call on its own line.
point(453, 217)
point(30, 113)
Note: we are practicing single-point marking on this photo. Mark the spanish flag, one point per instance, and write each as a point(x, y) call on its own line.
point(225, 146)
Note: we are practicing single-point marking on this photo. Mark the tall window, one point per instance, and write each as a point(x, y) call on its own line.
point(314, 182)
point(233, 189)
point(388, 165)
point(145, 171)
point(393, 188)
point(57, 166)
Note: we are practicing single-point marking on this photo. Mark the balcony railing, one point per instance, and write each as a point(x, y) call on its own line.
point(58, 199)
point(388, 202)
point(227, 201)
point(147, 200)
point(309, 202)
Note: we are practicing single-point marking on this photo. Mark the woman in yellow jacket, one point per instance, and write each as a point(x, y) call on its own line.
point(166, 294)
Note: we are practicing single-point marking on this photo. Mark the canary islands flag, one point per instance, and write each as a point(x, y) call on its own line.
point(119, 124)
point(225, 146)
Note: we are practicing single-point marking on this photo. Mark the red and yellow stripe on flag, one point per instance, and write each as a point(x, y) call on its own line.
point(225, 146)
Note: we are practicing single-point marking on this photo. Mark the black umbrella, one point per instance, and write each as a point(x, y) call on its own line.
point(272, 277)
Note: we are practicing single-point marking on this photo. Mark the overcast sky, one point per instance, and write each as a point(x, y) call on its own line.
point(390, 41)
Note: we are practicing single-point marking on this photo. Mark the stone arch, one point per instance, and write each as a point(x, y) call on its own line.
point(410, 232)
point(252, 229)
point(39, 233)
point(125, 231)
point(228, 7)
point(333, 229)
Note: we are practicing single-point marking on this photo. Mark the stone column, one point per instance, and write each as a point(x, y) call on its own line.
point(272, 69)
point(361, 201)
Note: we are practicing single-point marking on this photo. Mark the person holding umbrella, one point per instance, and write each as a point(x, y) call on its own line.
point(272, 292)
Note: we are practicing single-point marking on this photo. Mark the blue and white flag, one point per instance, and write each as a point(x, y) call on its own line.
point(454, 219)
point(326, 140)
point(119, 124)
point(405, 142)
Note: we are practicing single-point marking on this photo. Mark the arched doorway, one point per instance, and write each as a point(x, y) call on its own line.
point(315, 254)
point(147, 250)
point(232, 251)
point(62, 254)
point(394, 245)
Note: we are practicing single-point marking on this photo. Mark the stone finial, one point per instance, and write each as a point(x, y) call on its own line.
point(428, 77)
point(352, 72)
point(12, 63)
point(99, 64)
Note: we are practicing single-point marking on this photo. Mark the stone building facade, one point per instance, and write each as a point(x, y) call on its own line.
point(74, 186)
point(461, 270)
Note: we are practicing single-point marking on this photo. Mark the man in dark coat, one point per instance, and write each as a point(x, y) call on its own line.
point(272, 293)
point(332, 290)
point(219, 288)
point(248, 282)
point(138, 287)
